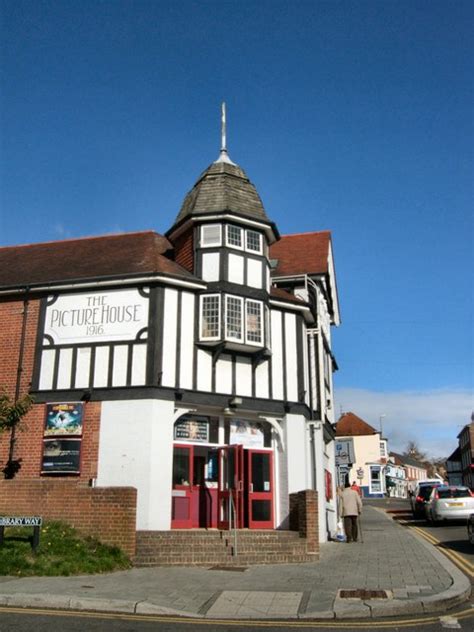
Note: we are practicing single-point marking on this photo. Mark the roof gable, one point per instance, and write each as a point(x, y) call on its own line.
point(350, 425)
point(301, 253)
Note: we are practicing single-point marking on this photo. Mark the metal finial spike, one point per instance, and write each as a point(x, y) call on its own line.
point(223, 130)
point(223, 156)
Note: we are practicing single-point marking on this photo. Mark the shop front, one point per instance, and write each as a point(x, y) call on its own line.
point(223, 474)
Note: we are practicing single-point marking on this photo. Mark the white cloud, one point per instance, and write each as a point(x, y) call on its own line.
point(431, 418)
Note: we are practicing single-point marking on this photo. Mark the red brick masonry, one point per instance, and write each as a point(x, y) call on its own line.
point(107, 513)
point(304, 517)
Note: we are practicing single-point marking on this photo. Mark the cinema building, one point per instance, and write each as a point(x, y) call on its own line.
point(189, 374)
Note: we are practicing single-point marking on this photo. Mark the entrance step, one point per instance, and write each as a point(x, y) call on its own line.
point(201, 547)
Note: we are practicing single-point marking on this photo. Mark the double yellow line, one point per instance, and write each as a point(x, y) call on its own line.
point(463, 564)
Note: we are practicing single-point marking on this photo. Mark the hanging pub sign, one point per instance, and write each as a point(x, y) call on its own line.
point(64, 419)
point(62, 438)
point(61, 456)
point(192, 430)
point(246, 433)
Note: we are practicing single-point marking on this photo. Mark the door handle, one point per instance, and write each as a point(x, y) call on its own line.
point(251, 488)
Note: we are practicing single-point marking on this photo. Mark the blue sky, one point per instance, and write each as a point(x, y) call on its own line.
point(350, 116)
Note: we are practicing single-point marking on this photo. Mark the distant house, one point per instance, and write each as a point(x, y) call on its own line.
point(415, 470)
point(454, 468)
point(396, 477)
point(370, 455)
point(466, 448)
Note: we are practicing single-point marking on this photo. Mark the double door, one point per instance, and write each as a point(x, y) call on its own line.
point(222, 486)
point(245, 488)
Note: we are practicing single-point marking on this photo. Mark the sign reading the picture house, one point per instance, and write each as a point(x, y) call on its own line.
point(96, 316)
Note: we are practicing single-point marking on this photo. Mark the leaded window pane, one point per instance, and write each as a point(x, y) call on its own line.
point(234, 236)
point(210, 317)
point(254, 241)
point(254, 321)
point(234, 318)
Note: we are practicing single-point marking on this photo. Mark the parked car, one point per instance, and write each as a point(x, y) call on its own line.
point(453, 502)
point(470, 528)
point(420, 497)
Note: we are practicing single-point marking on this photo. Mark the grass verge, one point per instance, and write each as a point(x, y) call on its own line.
point(62, 551)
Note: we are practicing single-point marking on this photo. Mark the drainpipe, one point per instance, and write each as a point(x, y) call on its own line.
point(13, 466)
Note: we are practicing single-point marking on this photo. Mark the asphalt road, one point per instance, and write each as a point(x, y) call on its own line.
point(25, 621)
point(450, 538)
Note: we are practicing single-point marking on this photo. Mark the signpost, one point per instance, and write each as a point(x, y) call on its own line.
point(22, 521)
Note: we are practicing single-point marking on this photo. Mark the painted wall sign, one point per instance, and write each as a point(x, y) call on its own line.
point(64, 419)
point(96, 317)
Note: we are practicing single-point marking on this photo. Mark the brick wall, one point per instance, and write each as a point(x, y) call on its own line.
point(29, 442)
point(107, 513)
point(304, 517)
point(184, 251)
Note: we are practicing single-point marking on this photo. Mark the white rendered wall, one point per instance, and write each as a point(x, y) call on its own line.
point(277, 355)
point(169, 337)
point(236, 268)
point(291, 358)
point(294, 427)
point(187, 340)
point(135, 450)
point(210, 266)
point(254, 273)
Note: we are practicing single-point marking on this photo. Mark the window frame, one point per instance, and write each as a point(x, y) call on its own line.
point(201, 316)
point(242, 321)
point(260, 242)
point(243, 237)
point(261, 342)
point(201, 236)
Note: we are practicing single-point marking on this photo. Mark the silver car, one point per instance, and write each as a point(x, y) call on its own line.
point(449, 503)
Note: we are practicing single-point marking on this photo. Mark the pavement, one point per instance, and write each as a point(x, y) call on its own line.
point(415, 576)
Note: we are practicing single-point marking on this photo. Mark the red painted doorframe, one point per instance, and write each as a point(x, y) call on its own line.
point(261, 503)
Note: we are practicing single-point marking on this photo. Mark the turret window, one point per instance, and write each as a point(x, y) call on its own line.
point(211, 235)
point(254, 241)
point(234, 236)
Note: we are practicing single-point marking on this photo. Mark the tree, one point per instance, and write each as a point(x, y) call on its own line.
point(11, 415)
point(414, 452)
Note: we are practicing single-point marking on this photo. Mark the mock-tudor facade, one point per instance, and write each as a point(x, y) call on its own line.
point(194, 367)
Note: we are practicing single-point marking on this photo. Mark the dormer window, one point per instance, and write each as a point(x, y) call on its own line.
point(211, 235)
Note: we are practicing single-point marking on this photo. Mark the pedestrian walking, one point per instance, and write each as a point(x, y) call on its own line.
point(356, 488)
point(351, 509)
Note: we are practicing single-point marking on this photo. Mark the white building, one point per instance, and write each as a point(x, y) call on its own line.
point(208, 353)
point(370, 455)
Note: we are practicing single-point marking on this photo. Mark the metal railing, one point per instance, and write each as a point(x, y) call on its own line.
point(233, 522)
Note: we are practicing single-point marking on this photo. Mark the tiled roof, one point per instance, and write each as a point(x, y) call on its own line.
point(302, 253)
point(87, 258)
point(223, 187)
point(349, 425)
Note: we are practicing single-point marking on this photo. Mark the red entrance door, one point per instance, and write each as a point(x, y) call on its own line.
point(181, 507)
point(231, 486)
point(260, 489)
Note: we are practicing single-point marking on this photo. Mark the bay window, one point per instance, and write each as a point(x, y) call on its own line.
point(243, 320)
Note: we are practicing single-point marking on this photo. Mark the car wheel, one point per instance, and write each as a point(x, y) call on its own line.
point(470, 533)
